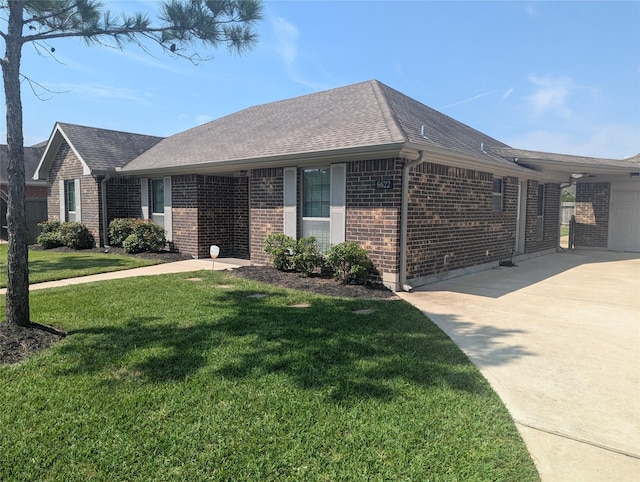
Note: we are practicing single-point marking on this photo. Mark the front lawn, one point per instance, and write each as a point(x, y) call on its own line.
point(54, 265)
point(194, 377)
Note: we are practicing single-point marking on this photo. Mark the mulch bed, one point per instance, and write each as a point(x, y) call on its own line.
point(18, 343)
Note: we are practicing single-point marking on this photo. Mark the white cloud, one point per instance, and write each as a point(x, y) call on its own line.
point(287, 36)
point(287, 47)
point(608, 141)
point(102, 91)
point(551, 95)
point(203, 119)
point(507, 94)
point(504, 96)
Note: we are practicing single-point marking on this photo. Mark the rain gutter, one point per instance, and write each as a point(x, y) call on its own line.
point(404, 215)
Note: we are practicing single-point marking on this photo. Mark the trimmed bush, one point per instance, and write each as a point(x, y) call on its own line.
point(146, 236)
point(76, 236)
point(306, 257)
point(349, 262)
point(280, 247)
point(49, 239)
point(71, 234)
point(120, 229)
point(50, 226)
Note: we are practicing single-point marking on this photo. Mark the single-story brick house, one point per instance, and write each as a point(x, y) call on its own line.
point(426, 195)
point(35, 191)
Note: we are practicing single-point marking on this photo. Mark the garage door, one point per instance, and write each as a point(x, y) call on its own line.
point(624, 233)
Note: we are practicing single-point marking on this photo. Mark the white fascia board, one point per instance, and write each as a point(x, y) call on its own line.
point(299, 159)
point(577, 167)
point(50, 152)
point(456, 159)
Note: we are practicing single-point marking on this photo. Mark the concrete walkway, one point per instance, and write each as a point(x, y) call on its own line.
point(558, 338)
point(156, 269)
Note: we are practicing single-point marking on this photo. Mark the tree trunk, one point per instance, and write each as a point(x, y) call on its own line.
point(18, 256)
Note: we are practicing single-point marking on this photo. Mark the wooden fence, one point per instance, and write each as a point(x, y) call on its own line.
point(35, 212)
point(566, 211)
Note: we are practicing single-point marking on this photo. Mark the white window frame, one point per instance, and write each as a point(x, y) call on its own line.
point(540, 212)
point(64, 187)
point(147, 205)
point(337, 202)
point(311, 219)
point(156, 216)
point(497, 199)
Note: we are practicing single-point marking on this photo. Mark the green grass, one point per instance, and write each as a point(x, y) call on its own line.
point(166, 378)
point(564, 230)
point(50, 265)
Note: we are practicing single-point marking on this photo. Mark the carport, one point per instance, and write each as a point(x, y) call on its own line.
point(557, 337)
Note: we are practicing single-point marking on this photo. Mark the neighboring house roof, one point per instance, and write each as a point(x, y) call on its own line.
point(32, 156)
point(569, 163)
point(368, 118)
point(98, 149)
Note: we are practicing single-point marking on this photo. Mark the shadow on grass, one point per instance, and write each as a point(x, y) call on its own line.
point(77, 262)
point(174, 352)
point(326, 347)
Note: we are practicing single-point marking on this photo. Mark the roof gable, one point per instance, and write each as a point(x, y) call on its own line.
point(97, 149)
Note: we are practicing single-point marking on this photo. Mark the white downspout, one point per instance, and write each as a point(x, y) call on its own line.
point(103, 195)
point(404, 207)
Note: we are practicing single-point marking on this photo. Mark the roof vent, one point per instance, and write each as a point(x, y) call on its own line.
point(423, 131)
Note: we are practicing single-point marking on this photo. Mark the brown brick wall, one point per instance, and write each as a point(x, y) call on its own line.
point(592, 214)
point(67, 166)
point(451, 214)
point(551, 217)
point(34, 192)
point(373, 219)
point(266, 209)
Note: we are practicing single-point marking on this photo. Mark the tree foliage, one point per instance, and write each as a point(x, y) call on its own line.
point(181, 27)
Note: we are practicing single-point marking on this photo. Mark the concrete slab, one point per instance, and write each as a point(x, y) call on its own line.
point(558, 338)
point(163, 268)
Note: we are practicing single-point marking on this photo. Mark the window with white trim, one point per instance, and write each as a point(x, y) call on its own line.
point(70, 200)
point(498, 195)
point(316, 205)
point(157, 201)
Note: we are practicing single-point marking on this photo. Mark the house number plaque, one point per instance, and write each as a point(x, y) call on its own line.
point(384, 184)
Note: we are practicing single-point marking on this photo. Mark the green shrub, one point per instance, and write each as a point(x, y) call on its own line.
point(146, 236)
point(306, 257)
point(349, 262)
point(71, 234)
point(76, 235)
point(49, 239)
point(50, 226)
point(120, 229)
point(281, 248)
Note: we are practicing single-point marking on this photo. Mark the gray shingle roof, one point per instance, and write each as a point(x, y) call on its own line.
point(32, 156)
point(103, 148)
point(524, 156)
point(363, 115)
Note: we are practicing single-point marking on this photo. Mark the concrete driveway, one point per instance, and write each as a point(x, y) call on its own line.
point(558, 338)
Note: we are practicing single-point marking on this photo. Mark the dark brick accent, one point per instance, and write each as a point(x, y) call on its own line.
point(209, 210)
point(592, 214)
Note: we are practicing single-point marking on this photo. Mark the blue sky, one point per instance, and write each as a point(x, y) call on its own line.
point(551, 76)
